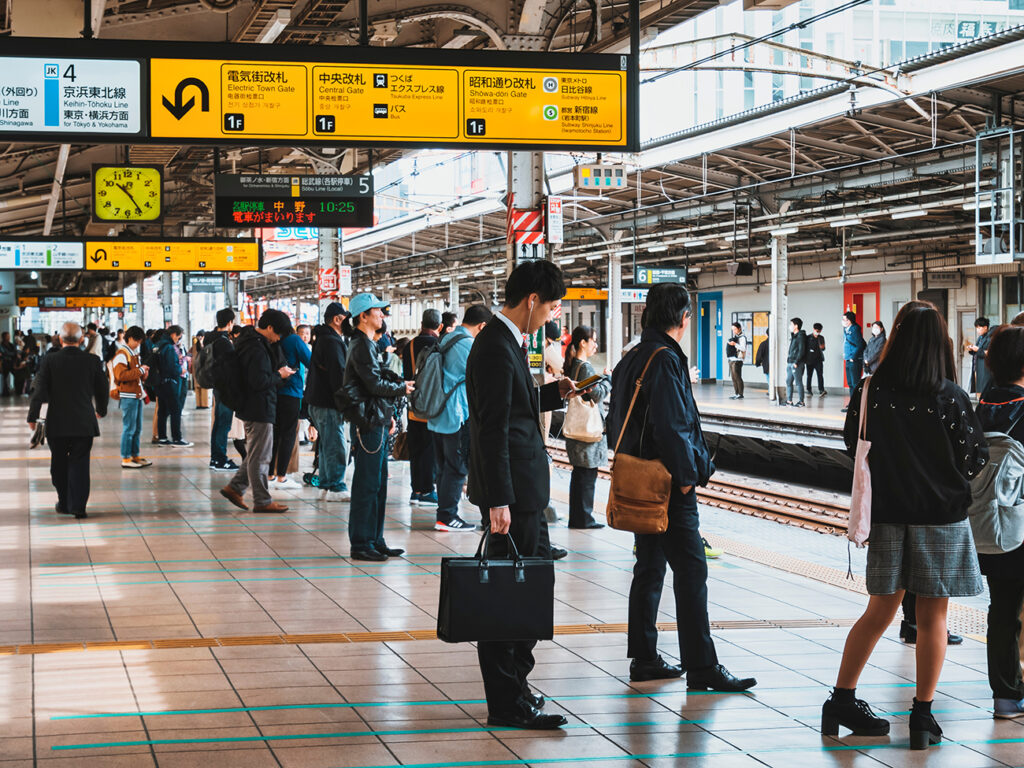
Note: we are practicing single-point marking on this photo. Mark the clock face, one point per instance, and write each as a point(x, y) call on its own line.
point(127, 193)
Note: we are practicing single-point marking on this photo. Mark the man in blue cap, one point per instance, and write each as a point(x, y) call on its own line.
point(371, 392)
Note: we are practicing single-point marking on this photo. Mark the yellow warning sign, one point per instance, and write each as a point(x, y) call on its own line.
point(172, 256)
point(205, 99)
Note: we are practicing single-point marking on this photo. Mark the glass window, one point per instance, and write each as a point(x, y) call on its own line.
point(1013, 298)
point(990, 298)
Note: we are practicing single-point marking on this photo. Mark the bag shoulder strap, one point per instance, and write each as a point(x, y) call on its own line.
point(636, 393)
point(862, 429)
point(412, 354)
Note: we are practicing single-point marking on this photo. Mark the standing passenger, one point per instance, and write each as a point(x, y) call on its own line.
point(873, 351)
point(980, 376)
point(289, 403)
point(169, 387)
point(128, 377)
point(795, 362)
point(853, 351)
point(219, 342)
point(585, 458)
point(926, 444)
point(816, 360)
point(327, 376)
point(422, 450)
point(762, 359)
point(737, 354)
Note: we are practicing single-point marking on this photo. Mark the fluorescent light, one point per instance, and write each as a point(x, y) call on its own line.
point(498, 271)
point(275, 26)
point(764, 263)
point(846, 222)
point(785, 231)
point(403, 285)
point(734, 238)
point(864, 252)
point(566, 260)
point(910, 214)
point(985, 202)
point(478, 273)
point(694, 243)
point(693, 270)
point(595, 256)
point(657, 248)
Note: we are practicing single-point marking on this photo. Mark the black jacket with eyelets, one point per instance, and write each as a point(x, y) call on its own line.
point(924, 452)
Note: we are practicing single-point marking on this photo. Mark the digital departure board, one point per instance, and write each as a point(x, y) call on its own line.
point(281, 200)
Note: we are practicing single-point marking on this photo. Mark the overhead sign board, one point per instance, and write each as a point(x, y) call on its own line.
point(62, 301)
point(185, 255)
point(42, 254)
point(8, 294)
point(246, 200)
point(56, 95)
point(585, 294)
point(657, 275)
point(554, 220)
point(202, 282)
point(633, 295)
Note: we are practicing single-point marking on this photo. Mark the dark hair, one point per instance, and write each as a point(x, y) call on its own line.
point(667, 303)
point(737, 326)
point(981, 322)
point(431, 319)
point(1018, 319)
point(347, 328)
point(798, 323)
point(92, 326)
point(225, 316)
point(818, 326)
point(450, 318)
point(580, 334)
point(880, 324)
point(175, 329)
point(303, 325)
point(1005, 356)
point(135, 333)
point(540, 277)
point(552, 330)
point(918, 356)
point(851, 316)
point(477, 314)
point(277, 321)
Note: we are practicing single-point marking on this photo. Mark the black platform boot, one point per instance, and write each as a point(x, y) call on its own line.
point(845, 709)
point(924, 731)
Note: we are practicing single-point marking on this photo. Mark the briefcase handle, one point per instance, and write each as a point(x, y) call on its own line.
point(481, 555)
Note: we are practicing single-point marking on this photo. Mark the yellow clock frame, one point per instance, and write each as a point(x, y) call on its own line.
point(127, 193)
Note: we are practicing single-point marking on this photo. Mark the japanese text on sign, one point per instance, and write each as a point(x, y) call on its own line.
point(173, 255)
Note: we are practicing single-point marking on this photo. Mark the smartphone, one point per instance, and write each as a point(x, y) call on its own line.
point(589, 382)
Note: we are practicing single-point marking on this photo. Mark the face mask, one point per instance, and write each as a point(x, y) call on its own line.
point(875, 331)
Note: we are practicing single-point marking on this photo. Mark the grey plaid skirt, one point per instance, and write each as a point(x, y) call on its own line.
point(928, 560)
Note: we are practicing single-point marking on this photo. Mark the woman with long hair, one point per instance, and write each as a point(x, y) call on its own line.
point(586, 458)
point(873, 351)
point(926, 445)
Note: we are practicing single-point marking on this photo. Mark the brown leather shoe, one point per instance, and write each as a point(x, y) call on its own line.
point(271, 507)
point(234, 497)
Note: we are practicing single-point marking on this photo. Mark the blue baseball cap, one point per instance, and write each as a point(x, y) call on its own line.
point(362, 302)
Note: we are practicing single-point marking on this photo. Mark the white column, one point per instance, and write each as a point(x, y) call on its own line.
point(778, 341)
point(453, 295)
point(329, 253)
point(614, 335)
point(166, 298)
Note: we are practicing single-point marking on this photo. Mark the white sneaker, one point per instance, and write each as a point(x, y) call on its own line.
point(286, 484)
point(336, 495)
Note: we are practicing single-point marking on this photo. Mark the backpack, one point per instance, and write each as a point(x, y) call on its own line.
point(997, 497)
point(202, 368)
point(153, 361)
point(429, 399)
point(226, 379)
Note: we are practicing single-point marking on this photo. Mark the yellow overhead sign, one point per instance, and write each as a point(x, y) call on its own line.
point(172, 255)
point(209, 99)
point(585, 294)
point(72, 302)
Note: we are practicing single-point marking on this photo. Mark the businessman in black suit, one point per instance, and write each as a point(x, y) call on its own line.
point(74, 386)
point(508, 467)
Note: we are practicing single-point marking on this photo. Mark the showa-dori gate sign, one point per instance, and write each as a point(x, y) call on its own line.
point(206, 93)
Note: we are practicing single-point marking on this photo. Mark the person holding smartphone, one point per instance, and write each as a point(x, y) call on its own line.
point(586, 458)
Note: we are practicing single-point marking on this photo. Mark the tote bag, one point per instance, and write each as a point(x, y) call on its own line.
point(860, 499)
point(583, 422)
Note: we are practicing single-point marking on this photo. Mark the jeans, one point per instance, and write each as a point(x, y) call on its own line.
point(422, 457)
point(1004, 675)
point(330, 441)
point(854, 371)
point(795, 375)
point(169, 404)
point(69, 471)
point(259, 439)
point(219, 433)
point(816, 366)
point(582, 483)
point(736, 369)
point(131, 426)
point(681, 547)
point(454, 461)
point(285, 431)
point(369, 489)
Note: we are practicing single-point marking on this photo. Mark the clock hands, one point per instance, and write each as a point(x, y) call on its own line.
point(124, 189)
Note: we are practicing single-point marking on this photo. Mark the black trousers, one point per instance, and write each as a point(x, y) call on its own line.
point(736, 369)
point(69, 471)
point(582, 483)
point(815, 366)
point(505, 666)
point(1004, 676)
point(285, 430)
point(422, 457)
point(681, 547)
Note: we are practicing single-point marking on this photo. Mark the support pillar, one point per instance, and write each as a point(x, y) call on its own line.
point(526, 185)
point(778, 340)
point(453, 295)
point(140, 300)
point(329, 257)
point(614, 334)
point(184, 313)
point(166, 298)
point(231, 291)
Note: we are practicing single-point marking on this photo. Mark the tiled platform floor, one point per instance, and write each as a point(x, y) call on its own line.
point(161, 557)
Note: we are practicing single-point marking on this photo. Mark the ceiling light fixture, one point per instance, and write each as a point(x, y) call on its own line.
point(910, 214)
point(275, 26)
point(785, 231)
point(864, 252)
point(846, 222)
point(566, 260)
point(657, 248)
point(694, 243)
point(595, 256)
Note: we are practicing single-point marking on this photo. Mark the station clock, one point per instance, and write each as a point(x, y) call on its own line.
point(125, 193)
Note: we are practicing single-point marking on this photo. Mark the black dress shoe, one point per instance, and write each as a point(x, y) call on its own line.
point(535, 700)
point(389, 552)
point(593, 525)
point(60, 509)
point(557, 553)
point(908, 634)
point(368, 554)
point(717, 678)
point(527, 717)
point(658, 669)
point(80, 515)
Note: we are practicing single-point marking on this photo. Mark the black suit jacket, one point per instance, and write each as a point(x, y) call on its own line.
point(74, 384)
point(508, 465)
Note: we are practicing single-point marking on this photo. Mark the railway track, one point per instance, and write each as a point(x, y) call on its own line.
point(811, 514)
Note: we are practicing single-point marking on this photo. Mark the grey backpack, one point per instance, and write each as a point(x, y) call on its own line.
point(997, 491)
point(429, 398)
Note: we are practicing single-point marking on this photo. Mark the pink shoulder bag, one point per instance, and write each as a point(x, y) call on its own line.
point(860, 499)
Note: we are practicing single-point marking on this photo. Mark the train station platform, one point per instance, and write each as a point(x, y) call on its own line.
point(170, 630)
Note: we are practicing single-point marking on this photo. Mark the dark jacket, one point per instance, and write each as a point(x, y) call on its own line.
point(853, 342)
point(170, 364)
point(873, 352)
point(259, 376)
point(1002, 410)
point(815, 348)
point(762, 356)
point(75, 386)
point(797, 348)
point(375, 387)
point(326, 367)
point(219, 343)
point(508, 464)
point(418, 345)
point(980, 375)
point(672, 432)
point(924, 451)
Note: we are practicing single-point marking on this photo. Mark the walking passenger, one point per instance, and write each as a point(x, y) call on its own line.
point(377, 394)
point(926, 444)
point(873, 351)
point(666, 426)
point(853, 351)
point(422, 451)
point(980, 376)
point(219, 343)
point(1002, 410)
point(327, 376)
point(816, 360)
point(289, 403)
point(128, 377)
point(451, 426)
point(73, 385)
point(795, 360)
point(736, 354)
point(585, 458)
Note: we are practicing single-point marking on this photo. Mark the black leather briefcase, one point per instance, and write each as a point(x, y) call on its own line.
point(502, 600)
